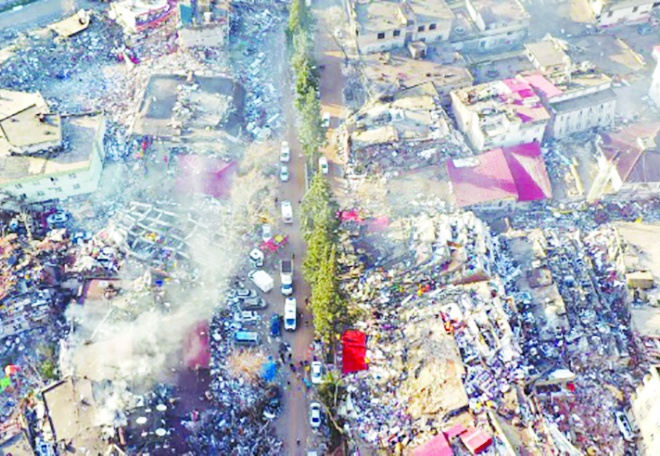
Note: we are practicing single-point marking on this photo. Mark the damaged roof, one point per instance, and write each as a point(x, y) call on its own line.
point(634, 151)
point(517, 172)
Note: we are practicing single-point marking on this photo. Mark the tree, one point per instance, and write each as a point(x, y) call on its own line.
point(326, 303)
point(318, 206)
point(311, 131)
point(317, 246)
point(298, 17)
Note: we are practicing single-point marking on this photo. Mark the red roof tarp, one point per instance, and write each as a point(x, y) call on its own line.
point(476, 440)
point(354, 345)
point(196, 350)
point(437, 446)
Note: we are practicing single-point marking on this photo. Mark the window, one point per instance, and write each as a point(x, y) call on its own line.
point(58, 189)
point(40, 193)
point(53, 179)
point(610, 14)
point(396, 33)
point(73, 176)
point(420, 28)
point(635, 9)
point(76, 187)
point(381, 36)
point(432, 27)
point(18, 186)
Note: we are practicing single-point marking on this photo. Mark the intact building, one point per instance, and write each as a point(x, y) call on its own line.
point(384, 25)
point(500, 22)
point(500, 114)
point(44, 157)
point(616, 12)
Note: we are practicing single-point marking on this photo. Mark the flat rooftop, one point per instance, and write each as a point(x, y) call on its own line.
point(500, 11)
point(25, 120)
point(431, 10)
point(548, 53)
point(379, 16)
point(593, 99)
point(78, 133)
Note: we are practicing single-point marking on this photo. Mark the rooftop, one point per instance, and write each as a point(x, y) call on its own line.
point(548, 53)
point(517, 172)
point(430, 10)
point(79, 134)
point(72, 410)
point(378, 16)
point(634, 150)
point(512, 100)
point(26, 121)
point(593, 99)
point(500, 11)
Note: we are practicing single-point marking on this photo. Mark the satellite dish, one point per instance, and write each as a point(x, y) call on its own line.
point(141, 420)
point(161, 407)
point(160, 432)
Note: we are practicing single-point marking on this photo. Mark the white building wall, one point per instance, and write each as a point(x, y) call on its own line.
point(654, 91)
point(613, 13)
point(569, 122)
point(63, 185)
point(369, 43)
point(646, 410)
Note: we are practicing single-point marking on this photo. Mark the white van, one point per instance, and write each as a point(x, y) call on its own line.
point(290, 314)
point(287, 212)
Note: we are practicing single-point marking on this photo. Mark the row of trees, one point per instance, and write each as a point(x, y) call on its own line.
point(306, 78)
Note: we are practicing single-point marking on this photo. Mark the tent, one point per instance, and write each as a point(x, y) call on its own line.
point(354, 345)
point(196, 350)
point(437, 446)
point(476, 440)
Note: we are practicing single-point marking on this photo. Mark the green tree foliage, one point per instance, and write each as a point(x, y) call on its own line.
point(318, 206)
point(311, 131)
point(299, 18)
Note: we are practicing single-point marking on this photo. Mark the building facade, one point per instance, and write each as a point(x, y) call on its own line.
point(500, 114)
point(646, 410)
point(500, 23)
point(385, 25)
point(654, 91)
point(74, 172)
point(610, 13)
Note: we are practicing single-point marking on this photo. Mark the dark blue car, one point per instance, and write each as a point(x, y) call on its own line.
point(275, 325)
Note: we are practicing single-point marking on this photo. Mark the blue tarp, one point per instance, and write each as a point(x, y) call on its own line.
point(269, 370)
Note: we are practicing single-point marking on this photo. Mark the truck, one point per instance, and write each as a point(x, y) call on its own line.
point(286, 277)
point(262, 280)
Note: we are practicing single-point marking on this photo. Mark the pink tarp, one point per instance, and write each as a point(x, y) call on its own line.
point(354, 350)
point(437, 446)
point(350, 216)
point(196, 350)
point(476, 440)
point(207, 175)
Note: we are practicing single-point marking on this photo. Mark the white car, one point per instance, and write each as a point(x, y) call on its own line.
point(284, 173)
point(316, 372)
point(325, 120)
point(290, 314)
point(323, 165)
point(285, 152)
point(266, 232)
point(315, 415)
point(246, 316)
point(287, 212)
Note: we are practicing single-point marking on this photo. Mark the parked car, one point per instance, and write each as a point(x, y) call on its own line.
point(266, 232)
point(253, 304)
point(287, 212)
point(246, 338)
point(57, 218)
point(624, 426)
point(290, 314)
point(284, 173)
point(316, 372)
point(645, 29)
point(275, 325)
point(325, 120)
point(315, 415)
point(323, 166)
point(285, 152)
point(246, 317)
point(242, 293)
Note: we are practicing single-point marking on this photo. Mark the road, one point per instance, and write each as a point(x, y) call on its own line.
point(37, 14)
point(293, 424)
